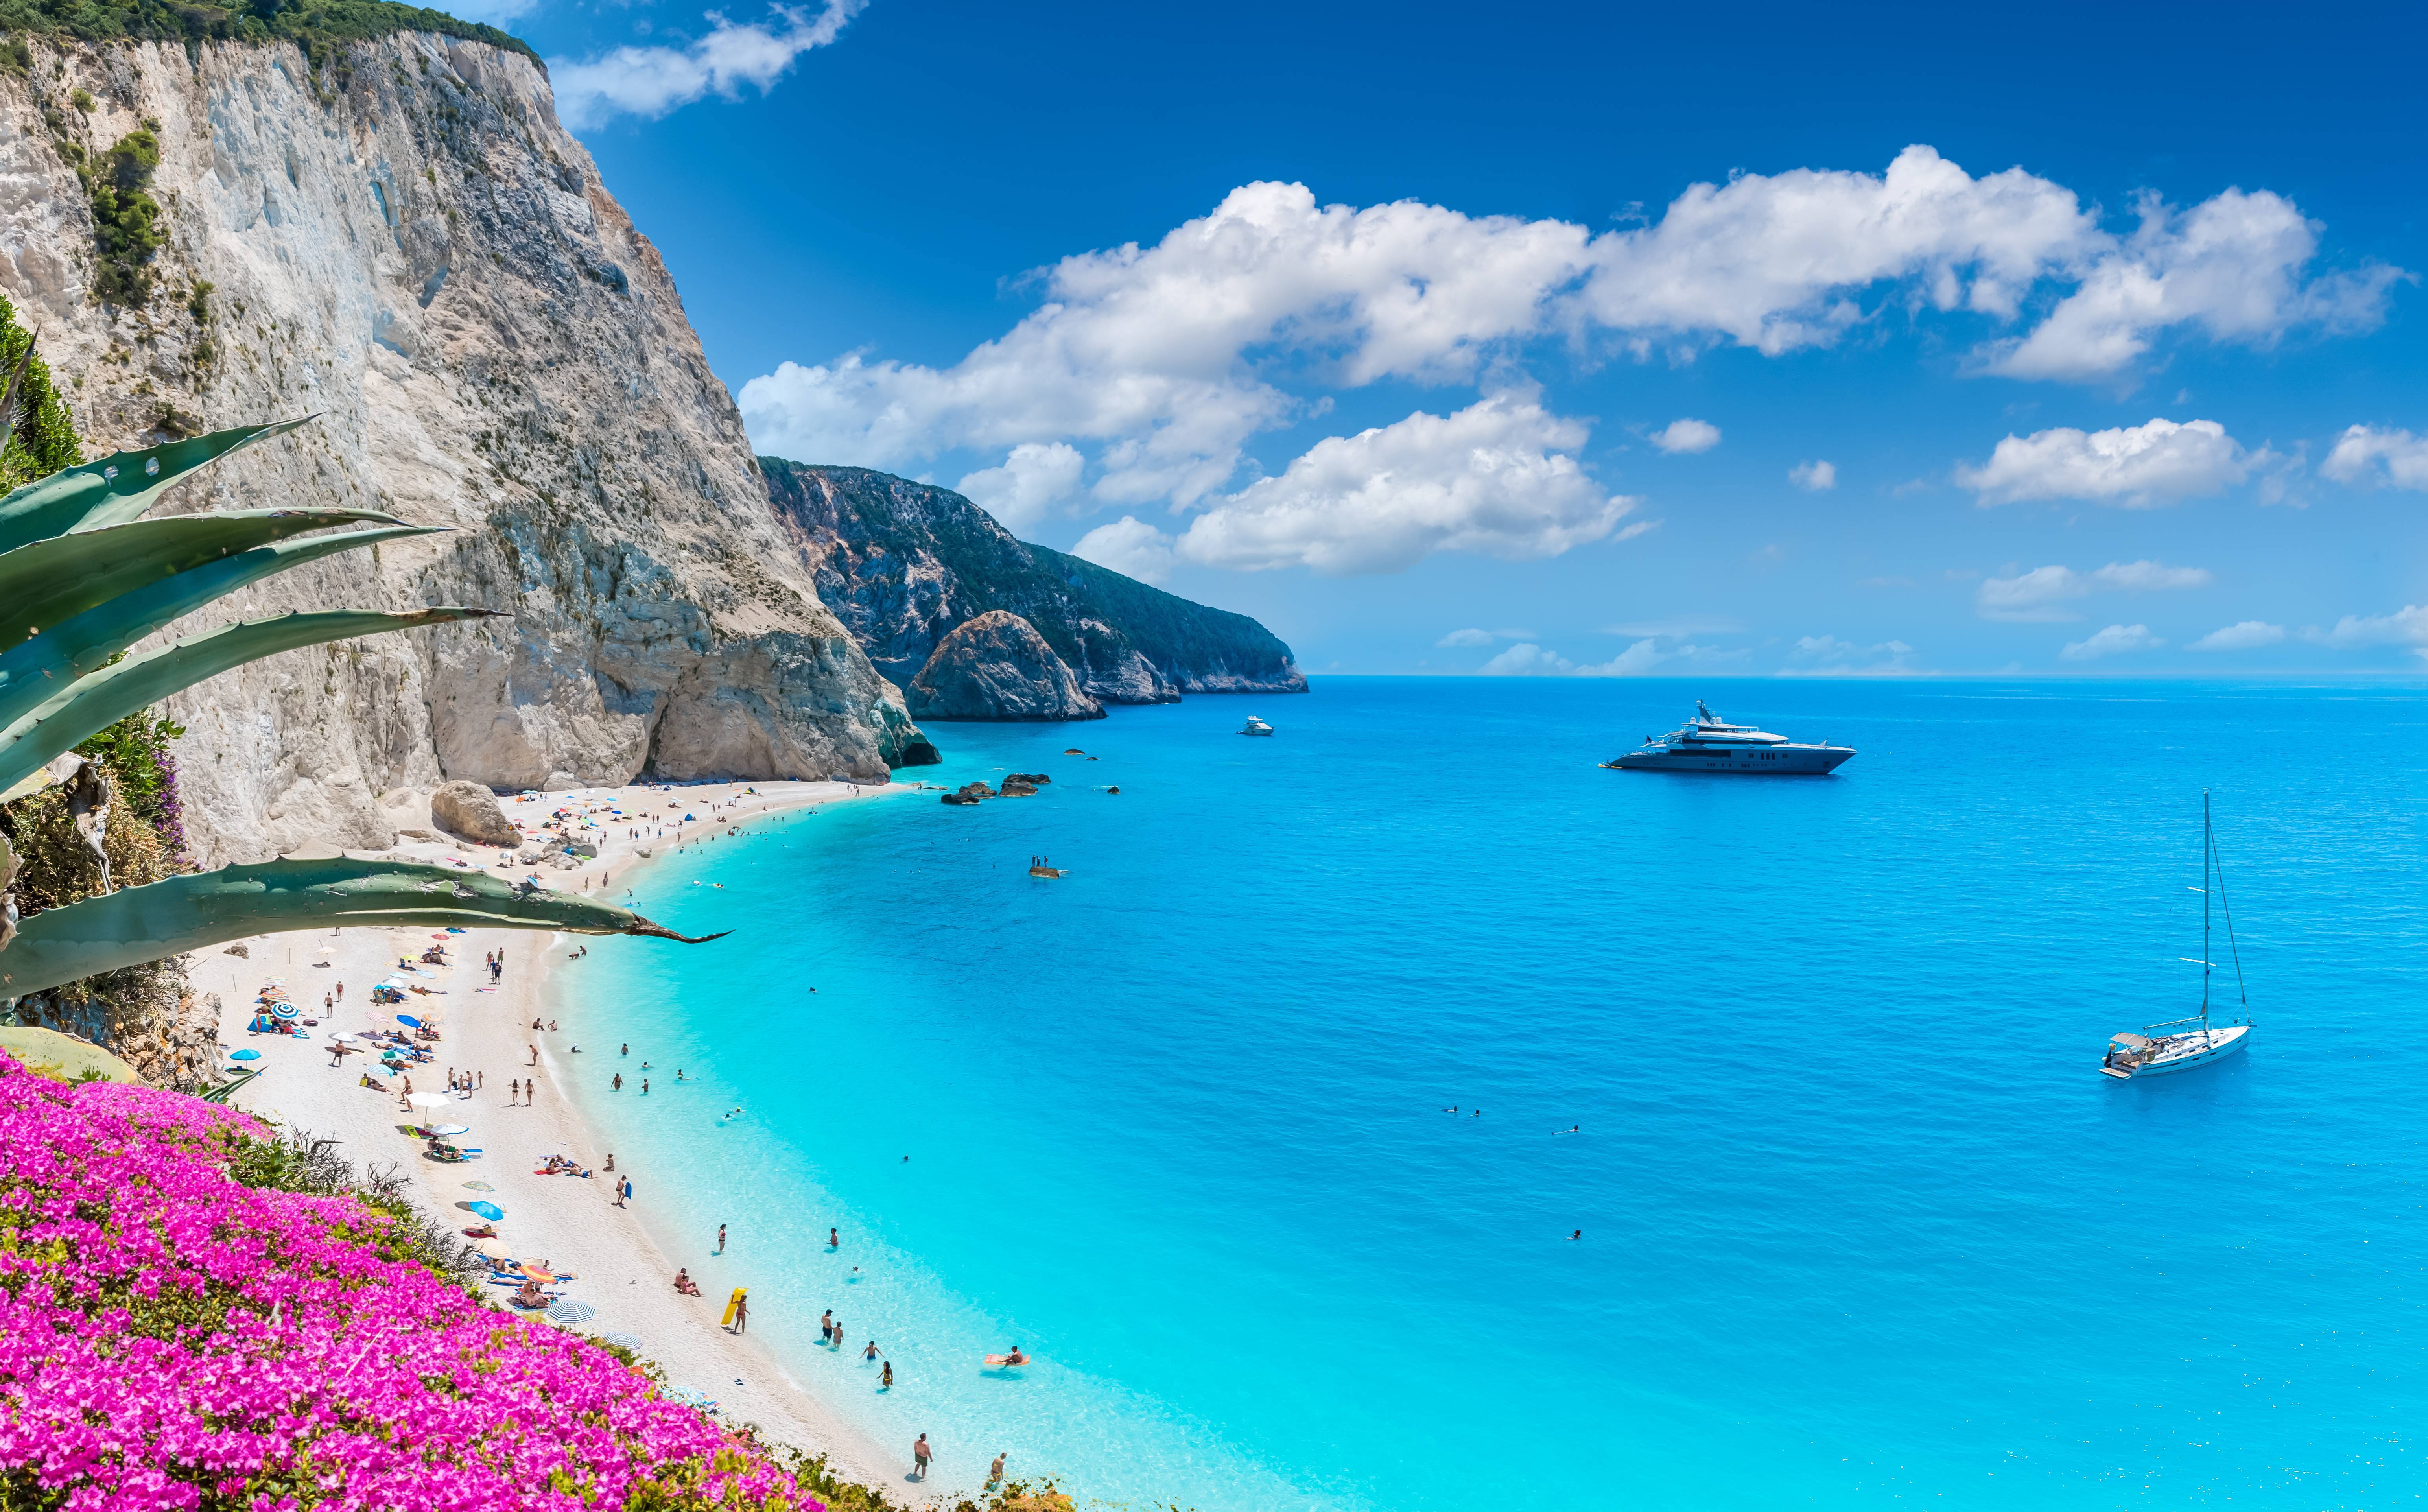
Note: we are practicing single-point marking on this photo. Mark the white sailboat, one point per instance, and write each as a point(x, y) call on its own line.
point(2182, 1044)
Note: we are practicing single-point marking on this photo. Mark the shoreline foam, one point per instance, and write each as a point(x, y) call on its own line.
point(620, 1267)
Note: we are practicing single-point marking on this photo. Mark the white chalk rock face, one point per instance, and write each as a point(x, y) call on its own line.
point(429, 260)
point(471, 810)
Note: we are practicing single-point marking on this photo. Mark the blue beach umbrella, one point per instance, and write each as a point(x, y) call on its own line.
point(489, 1211)
point(408, 1020)
point(282, 1009)
point(621, 1340)
point(244, 1054)
point(570, 1311)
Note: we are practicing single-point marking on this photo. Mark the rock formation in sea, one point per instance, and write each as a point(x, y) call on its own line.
point(398, 233)
point(903, 563)
point(998, 666)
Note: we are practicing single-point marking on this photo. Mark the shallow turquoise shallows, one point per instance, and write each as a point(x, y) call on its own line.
point(1862, 1224)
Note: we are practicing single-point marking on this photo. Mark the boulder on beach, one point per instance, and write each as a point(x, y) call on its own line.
point(471, 810)
point(996, 666)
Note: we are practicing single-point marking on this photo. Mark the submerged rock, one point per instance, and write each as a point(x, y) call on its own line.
point(471, 810)
point(996, 666)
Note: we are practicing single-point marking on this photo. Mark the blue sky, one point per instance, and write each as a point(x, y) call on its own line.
point(1575, 340)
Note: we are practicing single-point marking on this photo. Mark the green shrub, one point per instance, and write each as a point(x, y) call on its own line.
point(126, 217)
point(43, 438)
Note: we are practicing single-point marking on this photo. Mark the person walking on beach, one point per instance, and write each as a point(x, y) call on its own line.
point(920, 1453)
point(741, 1313)
point(514, 1091)
point(628, 1191)
point(534, 1054)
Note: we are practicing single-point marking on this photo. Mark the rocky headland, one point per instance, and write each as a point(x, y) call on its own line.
point(904, 565)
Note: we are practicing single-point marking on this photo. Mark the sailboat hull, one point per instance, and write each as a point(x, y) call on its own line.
point(2221, 1042)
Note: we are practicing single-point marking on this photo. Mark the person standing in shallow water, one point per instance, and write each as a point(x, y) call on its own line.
point(720, 1239)
point(885, 1382)
point(920, 1453)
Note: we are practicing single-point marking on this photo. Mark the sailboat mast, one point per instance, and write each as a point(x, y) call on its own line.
point(2206, 842)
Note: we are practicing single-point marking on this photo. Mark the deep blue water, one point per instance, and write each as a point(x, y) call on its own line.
point(1862, 1224)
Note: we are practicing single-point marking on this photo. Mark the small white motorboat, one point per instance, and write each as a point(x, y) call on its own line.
point(1256, 727)
point(2182, 1044)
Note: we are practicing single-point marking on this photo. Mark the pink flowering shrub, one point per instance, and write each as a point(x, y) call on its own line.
point(170, 1338)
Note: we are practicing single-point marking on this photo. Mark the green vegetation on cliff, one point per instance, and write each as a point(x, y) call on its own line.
point(904, 564)
point(313, 24)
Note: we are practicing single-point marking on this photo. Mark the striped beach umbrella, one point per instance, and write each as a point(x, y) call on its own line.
point(567, 1310)
point(282, 1009)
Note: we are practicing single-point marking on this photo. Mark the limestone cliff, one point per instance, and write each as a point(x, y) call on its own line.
point(904, 563)
point(996, 666)
point(404, 238)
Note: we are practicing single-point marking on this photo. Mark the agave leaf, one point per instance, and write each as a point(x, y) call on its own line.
point(138, 924)
point(44, 581)
point(117, 487)
point(93, 703)
point(35, 670)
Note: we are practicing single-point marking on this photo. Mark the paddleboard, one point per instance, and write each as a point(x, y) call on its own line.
point(731, 1304)
point(1002, 1360)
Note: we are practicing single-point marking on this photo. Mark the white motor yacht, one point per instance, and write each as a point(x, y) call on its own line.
point(1256, 727)
point(1708, 743)
point(2182, 1044)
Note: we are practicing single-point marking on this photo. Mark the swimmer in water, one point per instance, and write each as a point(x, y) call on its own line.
point(1570, 1130)
point(870, 1353)
point(834, 1240)
point(1577, 1235)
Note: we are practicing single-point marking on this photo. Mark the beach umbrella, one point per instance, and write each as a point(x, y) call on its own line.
point(408, 1020)
point(489, 1211)
point(341, 1037)
point(244, 1054)
point(565, 1310)
point(478, 1186)
point(621, 1340)
point(448, 1131)
point(429, 1099)
point(282, 1009)
point(494, 1248)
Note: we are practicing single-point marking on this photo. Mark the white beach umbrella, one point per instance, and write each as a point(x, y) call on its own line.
point(494, 1248)
point(430, 1099)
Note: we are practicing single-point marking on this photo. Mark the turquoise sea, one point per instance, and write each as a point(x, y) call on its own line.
point(1862, 1224)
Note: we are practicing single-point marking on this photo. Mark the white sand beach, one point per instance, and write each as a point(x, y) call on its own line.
point(485, 1030)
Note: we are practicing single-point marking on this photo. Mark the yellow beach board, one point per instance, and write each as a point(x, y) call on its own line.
point(731, 1304)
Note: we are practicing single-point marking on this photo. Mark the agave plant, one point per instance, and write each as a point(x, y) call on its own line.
point(83, 576)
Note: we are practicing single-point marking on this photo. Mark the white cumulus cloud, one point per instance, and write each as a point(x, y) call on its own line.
point(652, 81)
point(1157, 362)
point(2247, 635)
point(1814, 476)
point(2364, 454)
point(2115, 640)
point(2138, 467)
point(2234, 267)
point(2406, 626)
point(1497, 478)
point(2038, 594)
point(1687, 437)
point(1828, 656)
point(1030, 483)
point(1128, 546)
point(1466, 637)
point(1526, 659)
